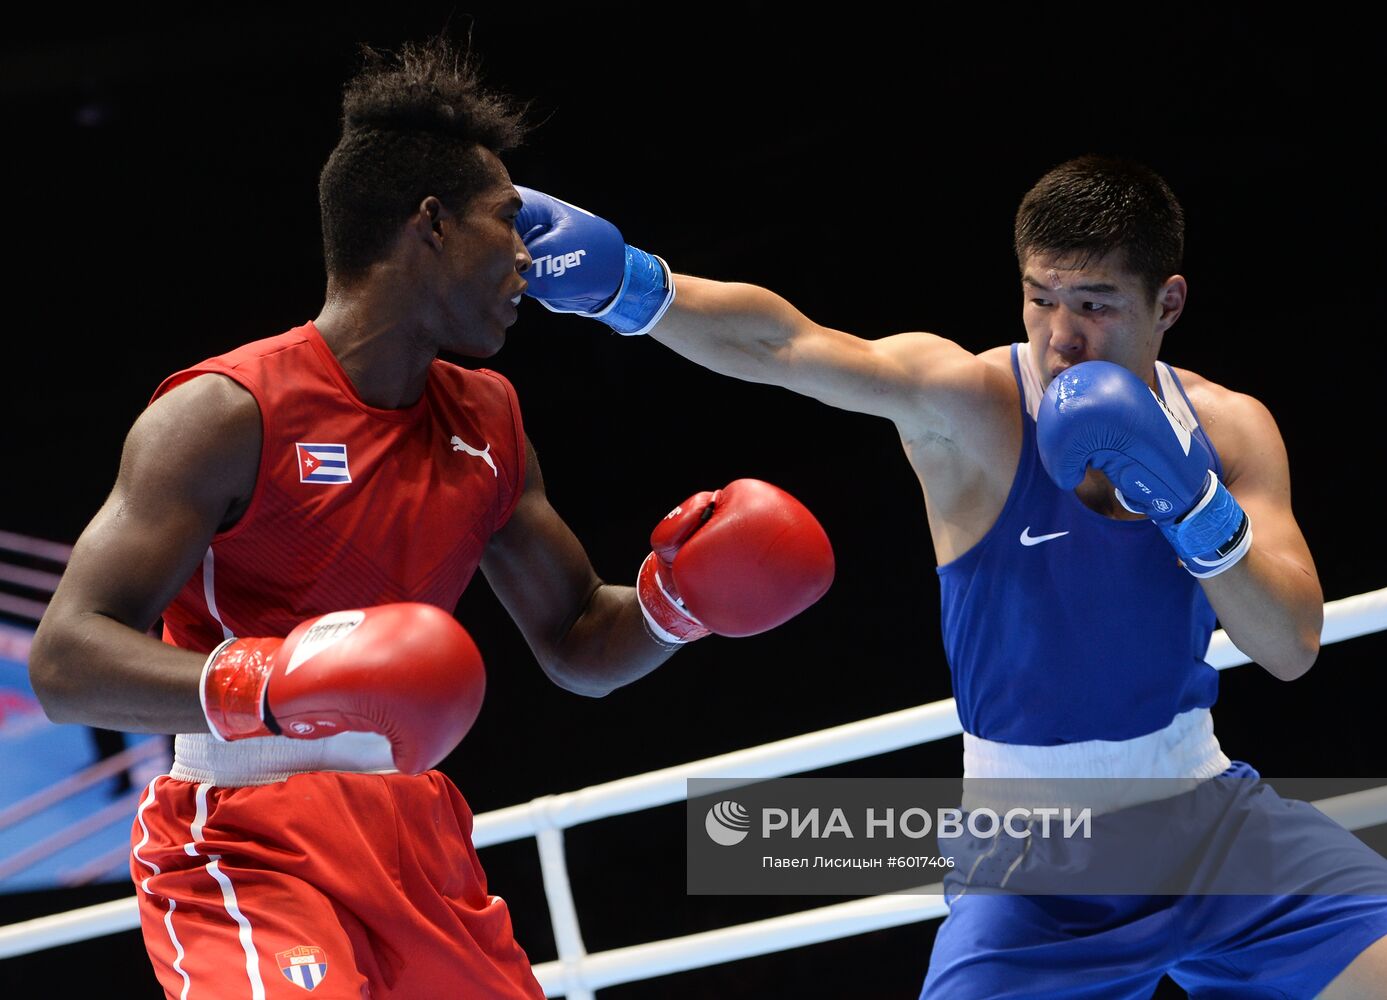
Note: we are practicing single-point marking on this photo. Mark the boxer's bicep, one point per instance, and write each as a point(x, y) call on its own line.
point(187, 461)
point(1257, 473)
point(538, 568)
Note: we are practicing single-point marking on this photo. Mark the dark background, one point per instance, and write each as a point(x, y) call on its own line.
point(161, 208)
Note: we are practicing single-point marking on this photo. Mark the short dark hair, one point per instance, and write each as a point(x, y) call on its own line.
point(413, 124)
point(1090, 206)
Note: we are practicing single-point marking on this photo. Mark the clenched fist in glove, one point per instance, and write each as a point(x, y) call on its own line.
point(583, 265)
point(737, 561)
point(1099, 414)
point(407, 671)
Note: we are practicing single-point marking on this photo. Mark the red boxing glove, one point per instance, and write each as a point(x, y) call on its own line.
point(736, 562)
point(407, 671)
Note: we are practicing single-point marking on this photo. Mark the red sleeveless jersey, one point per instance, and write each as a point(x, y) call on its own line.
point(353, 505)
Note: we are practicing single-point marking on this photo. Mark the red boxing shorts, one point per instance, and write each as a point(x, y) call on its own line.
point(332, 883)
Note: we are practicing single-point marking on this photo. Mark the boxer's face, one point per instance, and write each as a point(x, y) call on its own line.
point(486, 258)
point(1098, 312)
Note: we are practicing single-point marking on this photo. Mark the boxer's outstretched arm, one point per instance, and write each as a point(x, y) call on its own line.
point(926, 384)
point(753, 334)
point(187, 460)
point(588, 636)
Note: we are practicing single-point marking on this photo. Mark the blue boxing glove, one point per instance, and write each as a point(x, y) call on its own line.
point(1100, 414)
point(583, 265)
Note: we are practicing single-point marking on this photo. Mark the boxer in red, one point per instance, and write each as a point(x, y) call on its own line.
point(304, 512)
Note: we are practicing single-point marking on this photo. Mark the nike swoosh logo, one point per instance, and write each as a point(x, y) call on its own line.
point(1028, 539)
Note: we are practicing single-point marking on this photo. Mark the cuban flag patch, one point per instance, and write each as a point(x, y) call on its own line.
point(304, 966)
point(323, 463)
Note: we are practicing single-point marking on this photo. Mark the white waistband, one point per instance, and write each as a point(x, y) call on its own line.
point(1103, 774)
point(202, 758)
point(1187, 748)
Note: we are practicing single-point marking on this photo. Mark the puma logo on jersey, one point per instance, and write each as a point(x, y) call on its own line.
point(1028, 539)
point(460, 445)
point(556, 264)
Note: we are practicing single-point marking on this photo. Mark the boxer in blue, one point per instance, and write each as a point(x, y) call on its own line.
point(1109, 509)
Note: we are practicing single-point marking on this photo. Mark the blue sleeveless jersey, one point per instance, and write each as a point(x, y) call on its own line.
point(1096, 633)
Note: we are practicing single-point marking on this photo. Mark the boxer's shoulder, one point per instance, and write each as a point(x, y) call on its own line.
point(199, 439)
point(1239, 425)
point(972, 407)
point(997, 357)
point(214, 396)
point(210, 416)
point(957, 389)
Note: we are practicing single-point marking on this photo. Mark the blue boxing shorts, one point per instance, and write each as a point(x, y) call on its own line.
point(1009, 933)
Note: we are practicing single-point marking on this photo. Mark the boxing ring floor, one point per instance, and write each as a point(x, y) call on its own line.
point(577, 973)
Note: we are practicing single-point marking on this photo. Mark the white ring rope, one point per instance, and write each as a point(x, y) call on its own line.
point(563, 913)
point(118, 811)
point(22, 607)
point(39, 548)
point(28, 578)
point(104, 863)
point(80, 781)
point(34, 579)
point(577, 973)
